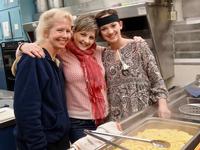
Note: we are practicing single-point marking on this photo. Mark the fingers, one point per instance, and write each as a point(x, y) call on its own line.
point(119, 127)
point(30, 54)
point(166, 115)
point(33, 50)
point(38, 53)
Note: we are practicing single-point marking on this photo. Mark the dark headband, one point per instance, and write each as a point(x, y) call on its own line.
point(106, 20)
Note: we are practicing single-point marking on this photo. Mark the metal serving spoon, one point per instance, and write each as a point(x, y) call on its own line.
point(88, 132)
point(157, 143)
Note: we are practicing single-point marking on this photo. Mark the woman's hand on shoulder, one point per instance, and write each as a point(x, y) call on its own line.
point(138, 39)
point(33, 50)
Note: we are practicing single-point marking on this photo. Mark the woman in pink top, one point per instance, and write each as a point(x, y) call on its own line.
point(82, 66)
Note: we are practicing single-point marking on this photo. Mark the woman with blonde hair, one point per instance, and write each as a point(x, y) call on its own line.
point(85, 87)
point(42, 121)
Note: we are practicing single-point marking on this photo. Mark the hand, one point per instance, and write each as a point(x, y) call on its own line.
point(33, 50)
point(163, 110)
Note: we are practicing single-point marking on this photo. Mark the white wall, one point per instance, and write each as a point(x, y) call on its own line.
point(184, 74)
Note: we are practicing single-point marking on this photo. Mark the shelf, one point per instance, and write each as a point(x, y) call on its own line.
point(187, 42)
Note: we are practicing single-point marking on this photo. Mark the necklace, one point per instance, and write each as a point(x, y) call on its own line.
point(124, 65)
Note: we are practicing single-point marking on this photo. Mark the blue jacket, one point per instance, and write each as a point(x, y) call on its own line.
point(39, 103)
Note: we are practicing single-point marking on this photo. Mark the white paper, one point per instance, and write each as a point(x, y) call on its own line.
point(16, 26)
point(6, 30)
point(141, 11)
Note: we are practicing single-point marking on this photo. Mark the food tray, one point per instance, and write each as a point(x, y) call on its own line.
point(176, 114)
point(159, 123)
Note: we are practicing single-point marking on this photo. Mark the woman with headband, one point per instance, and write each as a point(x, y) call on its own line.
point(132, 76)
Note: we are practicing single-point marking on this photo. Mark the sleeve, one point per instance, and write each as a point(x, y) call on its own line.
point(158, 88)
point(18, 52)
point(27, 105)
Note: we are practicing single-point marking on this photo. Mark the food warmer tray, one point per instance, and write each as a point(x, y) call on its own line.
point(176, 114)
point(159, 123)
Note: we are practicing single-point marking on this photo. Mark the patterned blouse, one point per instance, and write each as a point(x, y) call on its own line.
point(141, 85)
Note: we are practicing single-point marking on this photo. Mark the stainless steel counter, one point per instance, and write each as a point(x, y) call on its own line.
point(6, 98)
point(177, 98)
point(5, 94)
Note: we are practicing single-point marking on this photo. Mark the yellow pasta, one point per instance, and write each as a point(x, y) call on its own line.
point(176, 138)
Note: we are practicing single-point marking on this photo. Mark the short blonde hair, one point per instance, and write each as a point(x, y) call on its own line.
point(47, 20)
point(85, 23)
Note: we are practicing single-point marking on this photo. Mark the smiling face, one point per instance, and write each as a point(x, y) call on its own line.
point(111, 32)
point(84, 39)
point(59, 34)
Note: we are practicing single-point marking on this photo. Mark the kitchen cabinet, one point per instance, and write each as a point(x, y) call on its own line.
point(5, 25)
point(1, 36)
point(9, 3)
point(1, 4)
point(11, 27)
point(13, 14)
point(2, 73)
point(16, 26)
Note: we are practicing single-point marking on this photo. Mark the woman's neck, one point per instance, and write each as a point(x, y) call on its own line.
point(119, 44)
point(50, 50)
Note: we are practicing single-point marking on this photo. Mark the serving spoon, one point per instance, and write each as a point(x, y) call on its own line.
point(156, 143)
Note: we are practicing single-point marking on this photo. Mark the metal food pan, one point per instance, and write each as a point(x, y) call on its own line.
point(176, 114)
point(159, 123)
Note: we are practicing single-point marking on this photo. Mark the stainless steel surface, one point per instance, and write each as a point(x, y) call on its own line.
point(190, 109)
point(197, 81)
point(6, 98)
point(41, 5)
point(159, 29)
point(190, 8)
point(179, 121)
point(105, 140)
point(158, 123)
point(186, 40)
point(6, 94)
point(55, 3)
point(176, 114)
point(156, 143)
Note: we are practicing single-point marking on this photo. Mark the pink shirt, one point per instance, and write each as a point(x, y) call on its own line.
point(78, 102)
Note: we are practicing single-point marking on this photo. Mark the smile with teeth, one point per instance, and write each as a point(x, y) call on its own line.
point(84, 44)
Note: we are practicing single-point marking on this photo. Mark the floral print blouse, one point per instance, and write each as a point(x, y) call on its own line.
point(141, 85)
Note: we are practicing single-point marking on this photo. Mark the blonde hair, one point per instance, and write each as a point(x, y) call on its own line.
point(47, 19)
point(85, 23)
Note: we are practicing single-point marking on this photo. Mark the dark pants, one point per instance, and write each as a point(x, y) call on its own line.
point(63, 144)
point(77, 128)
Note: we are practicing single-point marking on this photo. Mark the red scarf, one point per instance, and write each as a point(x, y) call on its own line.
point(94, 79)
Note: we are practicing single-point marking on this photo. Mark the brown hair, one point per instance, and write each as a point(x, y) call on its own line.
point(85, 23)
point(106, 12)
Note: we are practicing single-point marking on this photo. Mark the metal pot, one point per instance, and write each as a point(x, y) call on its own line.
point(55, 3)
point(41, 5)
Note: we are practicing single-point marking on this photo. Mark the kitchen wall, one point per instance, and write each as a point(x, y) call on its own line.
point(184, 75)
point(186, 64)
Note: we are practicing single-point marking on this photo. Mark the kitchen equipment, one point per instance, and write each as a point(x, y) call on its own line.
point(7, 125)
point(6, 97)
point(8, 57)
point(134, 126)
point(157, 143)
point(104, 140)
point(190, 109)
point(41, 5)
point(55, 3)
